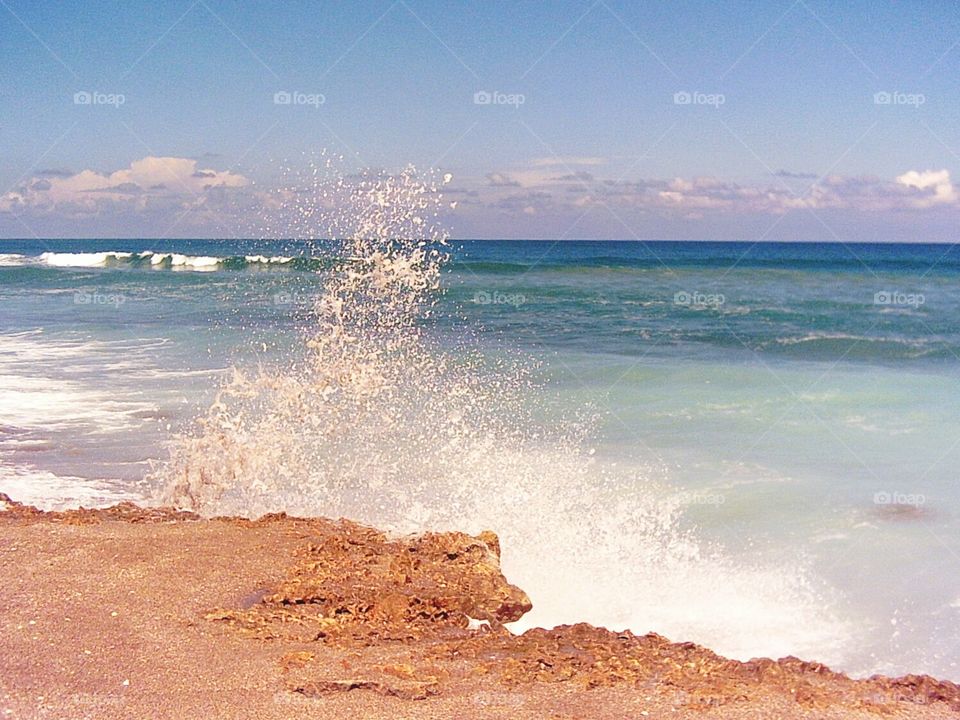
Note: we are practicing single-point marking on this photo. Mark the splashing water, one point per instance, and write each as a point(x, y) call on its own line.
point(371, 414)
point(377, 419)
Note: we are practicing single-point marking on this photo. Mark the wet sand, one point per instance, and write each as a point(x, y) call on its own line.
point(136, 613)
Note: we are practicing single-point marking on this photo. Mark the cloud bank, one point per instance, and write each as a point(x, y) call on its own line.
point(148, 183)
point(547, 187)
point(543, 198)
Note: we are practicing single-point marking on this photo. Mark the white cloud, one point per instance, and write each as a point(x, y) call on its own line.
point(501, 180)
point(912, 190)
point(940, 190)
point(569, 161)
point(544, 171)
point(147, 182)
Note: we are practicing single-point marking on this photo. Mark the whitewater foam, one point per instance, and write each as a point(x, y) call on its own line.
point(176, 261)
point(35, 393)
point(155, 260)
point(49, 491)
point(11, 259)
point(98, 259)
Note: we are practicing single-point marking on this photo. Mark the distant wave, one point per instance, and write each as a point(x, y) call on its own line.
point(161, 261)
point(10, 259)
point(478, 263)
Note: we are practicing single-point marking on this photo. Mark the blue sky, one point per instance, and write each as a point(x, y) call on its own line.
point(681, 120)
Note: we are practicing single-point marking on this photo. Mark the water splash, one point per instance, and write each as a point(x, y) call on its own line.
point(371, 412)
point(380, 418)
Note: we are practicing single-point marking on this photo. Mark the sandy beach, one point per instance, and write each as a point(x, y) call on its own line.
point(130, 612)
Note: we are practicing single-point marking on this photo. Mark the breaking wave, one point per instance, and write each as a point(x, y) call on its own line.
point(151, 260)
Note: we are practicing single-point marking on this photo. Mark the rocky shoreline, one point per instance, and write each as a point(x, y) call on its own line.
point(151, 612)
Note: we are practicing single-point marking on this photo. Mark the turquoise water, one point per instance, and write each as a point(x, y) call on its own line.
point(802, 398)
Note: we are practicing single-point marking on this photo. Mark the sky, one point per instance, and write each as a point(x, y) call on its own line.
point(778, 120)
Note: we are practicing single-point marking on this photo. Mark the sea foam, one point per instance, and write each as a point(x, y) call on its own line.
point(154, 260)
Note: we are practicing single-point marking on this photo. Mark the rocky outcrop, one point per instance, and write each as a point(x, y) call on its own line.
point(355, 589)
point(352, 612)
point(354, 585)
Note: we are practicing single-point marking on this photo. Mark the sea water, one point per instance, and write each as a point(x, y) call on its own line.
point(753, 447)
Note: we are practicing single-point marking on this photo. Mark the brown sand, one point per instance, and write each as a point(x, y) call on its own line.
point(132, 613)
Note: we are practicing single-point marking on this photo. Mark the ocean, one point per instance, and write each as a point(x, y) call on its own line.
point(749, 446)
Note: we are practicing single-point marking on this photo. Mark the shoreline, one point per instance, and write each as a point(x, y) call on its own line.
point(152, 612)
